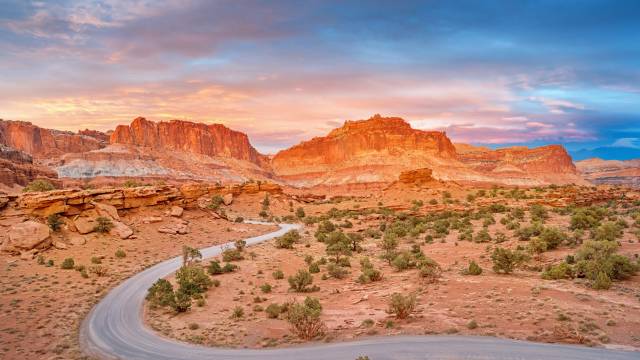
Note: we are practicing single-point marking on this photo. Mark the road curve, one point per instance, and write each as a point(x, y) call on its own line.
point(114, 329)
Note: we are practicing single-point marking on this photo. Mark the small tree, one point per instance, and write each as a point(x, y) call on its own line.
point(161, 294)
point(305, 318)
point(389, 244)
point(338, 244)
point(190, 255)
point(505, 260)
point(192, 280)
point(402, 306)
point(300, 281)
point(54, 222)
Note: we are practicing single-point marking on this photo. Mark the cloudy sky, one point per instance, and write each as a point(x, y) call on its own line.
point(487, 72)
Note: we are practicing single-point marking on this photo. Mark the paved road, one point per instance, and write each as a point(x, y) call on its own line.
point(114, 329)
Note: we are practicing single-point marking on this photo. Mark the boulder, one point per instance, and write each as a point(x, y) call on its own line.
point(151, 219)
point(59, 245)
point(227, 199)
point(121, 230)
point(28, 255)
point(85, 225)
point(77, 241)
point(26, 236)
point(175, 228)
point(106, 210)
point(176, 211)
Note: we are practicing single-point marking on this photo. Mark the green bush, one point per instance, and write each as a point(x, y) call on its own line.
point(429, 269)
point(304, 318)
point(369, 273)
point(558, 271)
point(67, 264)
point(39, 186)
point(273, 311)
point(192, 280)
point(216, 202)
point(278, 275)
point(473, 269)
point(402, 306)
point(232, 255)
point(161, 294)
point(104, 225)
point(300, 213)
point(54, 221)
point(120, 254)
point(237, 313)
point(301, 281)
point(505, 260)
point(336, 271)
point(182, 301)
point(482, 236)
point(403, 261)
point(314, 268)
point(608, 231)
point(287, 240)
point(265, 288)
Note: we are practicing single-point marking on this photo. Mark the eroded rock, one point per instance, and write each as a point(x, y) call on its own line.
point(26, 236)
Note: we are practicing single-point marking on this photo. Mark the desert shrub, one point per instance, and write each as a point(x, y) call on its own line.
point(538, 213)
point(232, 255)
point(403, 261)
point(273, 311)
point(505, 260)
point(587, 218)
point(161, 293)
point(239, 219)
point(558, 271)
point(237, 313)
point(67, 264)
point(39, 186)
point(553, 237)
point(389, 244)
point(596, 257)
point(526, 233)
point(537, 245)
point(402, 306)
point(324, 228)
point(192, 280)
point(336, 271)
point(99, 270)
point(338, 244)
point(429, 269)
point(287, 240)
point(304, 318)
point(314, 268)
point(300, 213)
point(466, 234)
point(240, 244)
point(96, 260)
point(473, 269)
point(214, 268)
point(54, 221)
point(131, 184)
point(602, 281)
point(104, 225)
point(120, 254)
point(482, 236)
point(278, 274)
point(182, 301)
point(301, 281)
point(265, 288)
point(608, 231)
point(216, 202)
point(369, 273)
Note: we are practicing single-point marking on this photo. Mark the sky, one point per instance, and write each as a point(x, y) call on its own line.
point(495, 73)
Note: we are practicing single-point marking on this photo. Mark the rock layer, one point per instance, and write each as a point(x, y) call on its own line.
point(197, 138)
point(613, 172)
point(17, 168)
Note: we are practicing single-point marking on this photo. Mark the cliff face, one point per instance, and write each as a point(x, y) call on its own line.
point(212, 140)
point(613, 172)
point(44, 143)
point(370, 150)
point(17, 168)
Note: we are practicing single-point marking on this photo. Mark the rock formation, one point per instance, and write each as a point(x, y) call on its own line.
point(44, 143)
point(17, 168)
point(212, 140)
point(613, 172)
point(372, 150)
point(416, 177)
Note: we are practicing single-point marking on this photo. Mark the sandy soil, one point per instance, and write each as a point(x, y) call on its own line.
point(520, 305)
point(42, 307)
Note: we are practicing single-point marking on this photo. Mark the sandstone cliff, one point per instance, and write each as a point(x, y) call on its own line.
point(613, 172)
point(212, 140)
point(17, 168)
point(372, 150)
point(45, 143)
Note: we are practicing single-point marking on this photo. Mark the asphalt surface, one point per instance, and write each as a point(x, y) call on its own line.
point(114, 329)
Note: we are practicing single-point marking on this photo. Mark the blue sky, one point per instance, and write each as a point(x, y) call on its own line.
point(487, 72)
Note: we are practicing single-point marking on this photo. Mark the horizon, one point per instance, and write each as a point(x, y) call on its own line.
point(487, 73)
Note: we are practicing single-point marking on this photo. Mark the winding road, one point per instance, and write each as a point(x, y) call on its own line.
point(114, 329)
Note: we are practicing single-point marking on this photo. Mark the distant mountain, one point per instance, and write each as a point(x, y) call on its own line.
point(606, 153)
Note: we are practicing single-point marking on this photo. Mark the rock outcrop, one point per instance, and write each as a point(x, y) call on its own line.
point(26, 236)
point(196, 138)
point(416, 177)
point(17, 168)
point(612, 172)
point(516, 165)
point(372, 150)
point(44, 143)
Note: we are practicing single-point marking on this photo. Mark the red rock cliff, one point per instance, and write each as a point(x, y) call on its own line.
point(376, 141)
point(197, 138)
point(44, 143)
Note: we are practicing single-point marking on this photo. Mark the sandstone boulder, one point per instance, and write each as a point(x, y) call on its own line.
point(26, 236)
point(176, 211)
point(85, 225)
point(59, 245)
point(175, 228)
point(120, 230)
point(77, 241)
point(106, 210)
point(227, 199)
point(152, 219)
